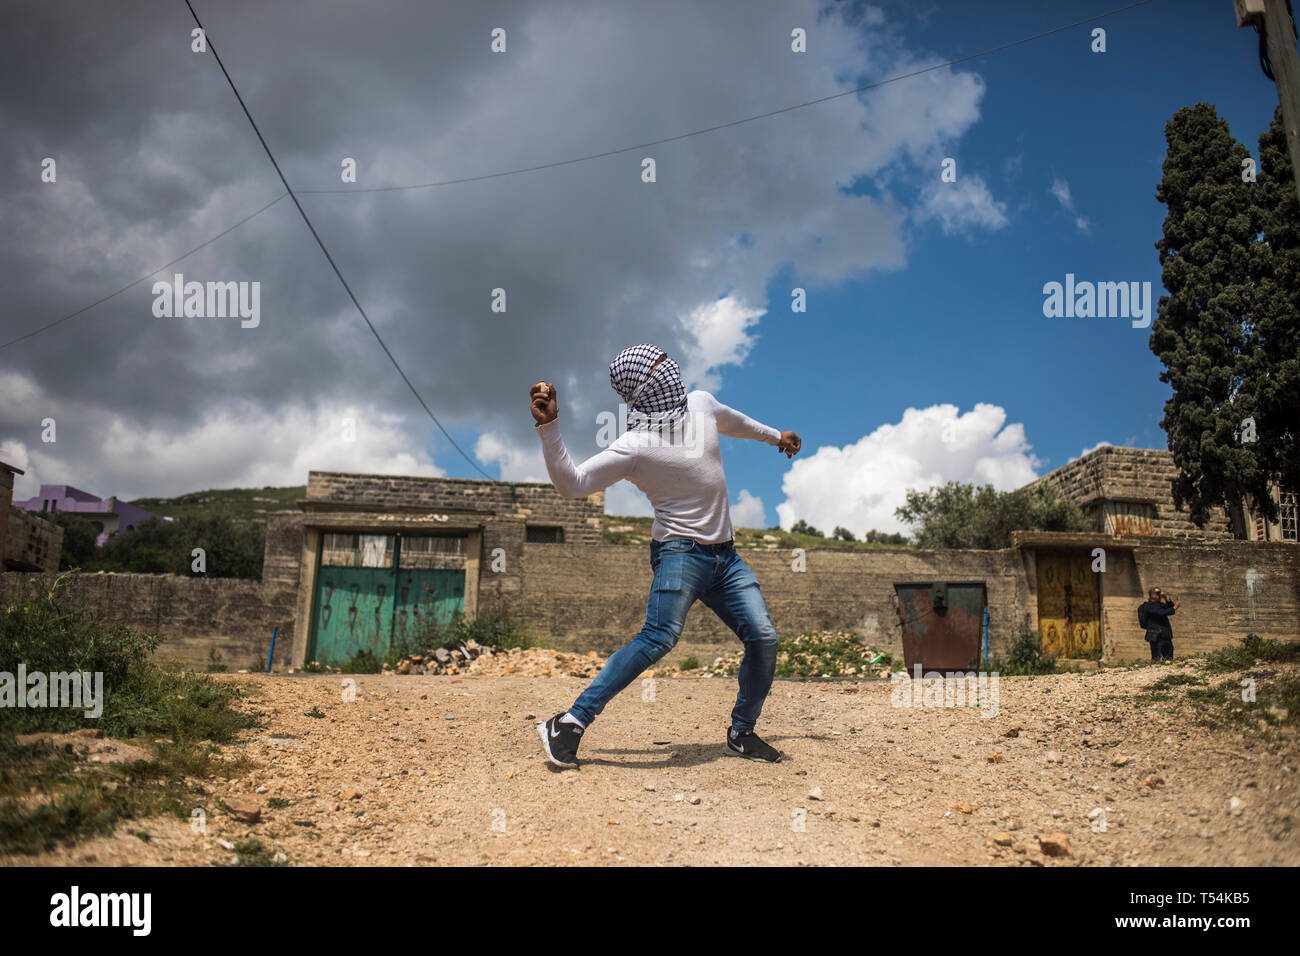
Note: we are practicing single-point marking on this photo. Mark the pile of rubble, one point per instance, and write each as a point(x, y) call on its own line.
point(538, 662)
point(474, 658)
point(449, 659)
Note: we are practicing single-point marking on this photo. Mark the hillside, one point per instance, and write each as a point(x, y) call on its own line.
point(239, 504)
point(620, 529)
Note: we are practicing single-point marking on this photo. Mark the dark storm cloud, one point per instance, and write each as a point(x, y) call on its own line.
point(155, 156)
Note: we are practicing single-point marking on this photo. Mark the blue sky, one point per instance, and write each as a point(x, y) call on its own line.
point(962, 322)
point(924, 355)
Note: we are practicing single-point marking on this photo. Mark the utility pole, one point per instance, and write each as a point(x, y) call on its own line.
point(1274, 19)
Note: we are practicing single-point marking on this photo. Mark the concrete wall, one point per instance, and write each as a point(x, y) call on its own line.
point(529, 502)
point(587, 598)
point(1227, 589)
point(592, 597)
point(195, 616)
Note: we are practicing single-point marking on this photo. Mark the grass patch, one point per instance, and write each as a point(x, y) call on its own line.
point(47, 795)
point(1252, 650)
point(364, 661)
point(817, 654)
point(252, 852)
point(1276, 698)
point(1170, 681)
point(49, 798)
point(1023, 657)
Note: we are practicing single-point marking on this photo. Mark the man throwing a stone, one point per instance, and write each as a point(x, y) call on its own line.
point(670, 451)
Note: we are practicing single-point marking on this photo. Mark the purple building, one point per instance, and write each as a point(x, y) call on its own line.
point(108, 515)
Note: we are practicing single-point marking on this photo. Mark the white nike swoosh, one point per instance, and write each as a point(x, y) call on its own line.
point(555, 733)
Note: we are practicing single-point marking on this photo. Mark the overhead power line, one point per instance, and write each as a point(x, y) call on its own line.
point(739, 122)
point(329, 258)
point(528, 169)
point(184, 255)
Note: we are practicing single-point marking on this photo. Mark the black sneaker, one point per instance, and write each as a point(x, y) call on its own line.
point(560, 741)
point(751, 747)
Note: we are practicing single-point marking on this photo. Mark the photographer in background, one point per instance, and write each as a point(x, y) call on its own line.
point(1153, 616)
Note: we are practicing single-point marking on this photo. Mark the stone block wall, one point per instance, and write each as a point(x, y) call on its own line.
point(197, 617)
point(594, 598)
point(31, 542)
point(1134, 475)
point(529, 502)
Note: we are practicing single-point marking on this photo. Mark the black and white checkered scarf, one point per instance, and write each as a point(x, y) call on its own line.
point(657, 401)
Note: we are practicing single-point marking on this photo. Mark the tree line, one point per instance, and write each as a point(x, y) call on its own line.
point(230, 549)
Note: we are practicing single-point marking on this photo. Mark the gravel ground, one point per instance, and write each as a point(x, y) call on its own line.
point(448, 770)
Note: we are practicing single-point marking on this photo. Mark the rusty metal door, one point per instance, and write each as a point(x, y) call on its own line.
point(942, 625)
point(1069, 606)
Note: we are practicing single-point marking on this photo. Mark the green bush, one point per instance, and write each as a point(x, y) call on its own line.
point(494, 626)
point(959, 515)
point(364, 661)
point(233, 549)
point(1024, 656)
point(47, 795)
point(1252, 650)
point(40, 631)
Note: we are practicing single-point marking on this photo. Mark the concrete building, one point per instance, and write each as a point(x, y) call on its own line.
point(1086, 586)
point(368, 559)
point(372, 557)
point(108, 515)
point(1127, 491)
point(27, 543)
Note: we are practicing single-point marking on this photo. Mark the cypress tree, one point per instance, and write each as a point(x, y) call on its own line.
point(1206, 332)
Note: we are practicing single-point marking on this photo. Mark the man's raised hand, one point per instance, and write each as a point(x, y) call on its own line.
point(790, 443)
point(543, 404)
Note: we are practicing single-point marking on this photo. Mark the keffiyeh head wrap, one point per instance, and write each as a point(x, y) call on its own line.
point(655, 401)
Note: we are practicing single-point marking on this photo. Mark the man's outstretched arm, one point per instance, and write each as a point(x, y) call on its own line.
point(573, 481)
point(739, 425)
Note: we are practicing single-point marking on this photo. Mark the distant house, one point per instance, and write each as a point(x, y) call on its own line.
point(1129, 491)
point(108, 515)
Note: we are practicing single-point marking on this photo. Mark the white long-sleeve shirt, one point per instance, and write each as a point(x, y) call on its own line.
point(680, 471)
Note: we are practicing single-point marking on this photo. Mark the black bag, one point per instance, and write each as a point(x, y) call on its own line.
point(1142, 617)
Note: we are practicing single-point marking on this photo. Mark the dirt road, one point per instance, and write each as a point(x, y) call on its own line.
point(435, 770)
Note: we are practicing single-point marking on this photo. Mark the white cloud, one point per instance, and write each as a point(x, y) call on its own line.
point(962, 205)
point(517, 462)
point(590, 267)
point(859, 486)
point(625, 498)
point(1061, 190)
point(721, 333)
point(748, 511)
point(235, 447)
point(1088, 451)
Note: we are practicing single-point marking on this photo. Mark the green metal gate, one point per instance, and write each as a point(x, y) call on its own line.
point(370, 594)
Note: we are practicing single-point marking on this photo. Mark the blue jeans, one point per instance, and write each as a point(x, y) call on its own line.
point(1162, 648)
point(685, 571)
